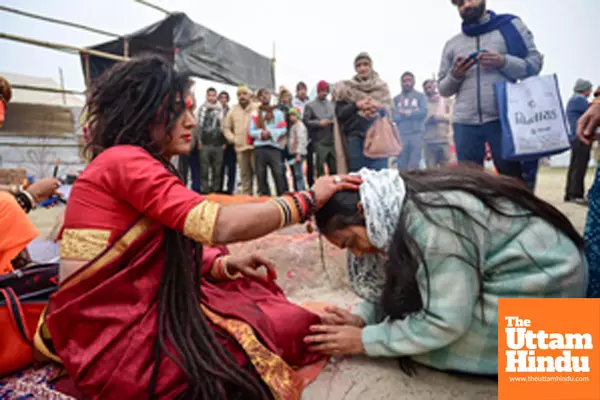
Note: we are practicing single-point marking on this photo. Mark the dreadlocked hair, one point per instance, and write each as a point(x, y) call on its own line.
point(504, 196)
point(124, 104)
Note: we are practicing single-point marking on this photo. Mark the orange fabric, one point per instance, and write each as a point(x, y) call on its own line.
point(2, 113)
point(17, 231)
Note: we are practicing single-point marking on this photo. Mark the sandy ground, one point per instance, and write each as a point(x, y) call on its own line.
point(304, 278)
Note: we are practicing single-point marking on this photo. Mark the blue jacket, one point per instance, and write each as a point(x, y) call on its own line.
point(576, 107)
point(277, 128)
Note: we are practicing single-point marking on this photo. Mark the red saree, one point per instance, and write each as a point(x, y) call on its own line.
point(101, 324)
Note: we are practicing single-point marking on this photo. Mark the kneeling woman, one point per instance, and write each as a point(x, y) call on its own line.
point(431, 252)
point(143, 310)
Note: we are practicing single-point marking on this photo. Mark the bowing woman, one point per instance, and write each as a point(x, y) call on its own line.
point(431, 252)
point(151, 304)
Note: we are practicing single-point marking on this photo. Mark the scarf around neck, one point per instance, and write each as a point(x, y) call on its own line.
point(355, 89)
point(382, 195)
point(503, 22)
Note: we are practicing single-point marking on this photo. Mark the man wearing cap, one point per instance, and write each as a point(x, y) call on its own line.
point(318, 118)
point(235, 129)
point(580, 152)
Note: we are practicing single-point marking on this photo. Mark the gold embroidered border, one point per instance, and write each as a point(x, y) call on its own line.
point(282, 380)
point(200, 222)
point(83, 244)
point(42, 334)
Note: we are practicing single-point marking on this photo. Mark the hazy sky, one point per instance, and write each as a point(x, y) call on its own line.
point(316, 39)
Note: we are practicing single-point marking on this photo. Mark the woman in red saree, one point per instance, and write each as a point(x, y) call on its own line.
point(151, 304)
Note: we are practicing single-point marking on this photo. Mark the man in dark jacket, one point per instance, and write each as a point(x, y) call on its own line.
point(410, 111)
point(212, 143)
point(318, 118)
point(580, 152)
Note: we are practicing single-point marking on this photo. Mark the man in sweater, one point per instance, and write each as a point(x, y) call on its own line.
point(300, 101)
point(235, 130)
point(580, 152)
point(229, 160)
point(211, 143)
point(490, 48)
point(267, 127)
point(437, 127)
point(410, 110)
point(318, 118)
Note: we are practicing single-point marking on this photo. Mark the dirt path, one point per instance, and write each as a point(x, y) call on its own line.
point(302, 276)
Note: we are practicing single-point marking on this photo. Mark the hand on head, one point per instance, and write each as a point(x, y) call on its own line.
point(327, 186)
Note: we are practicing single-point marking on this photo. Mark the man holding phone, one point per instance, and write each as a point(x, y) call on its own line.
point(490, 48)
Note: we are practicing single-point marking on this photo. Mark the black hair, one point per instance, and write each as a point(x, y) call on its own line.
point(426, 82)
point(261, 91)
point(301, 85)
point(401, 295)
point(122, 106)
point(211, 89)
point(224, 93)
point(407, 73)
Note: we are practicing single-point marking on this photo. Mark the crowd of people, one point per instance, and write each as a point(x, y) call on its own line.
point(163, 310)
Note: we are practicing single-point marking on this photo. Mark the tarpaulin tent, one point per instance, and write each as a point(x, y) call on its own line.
point(194, 50)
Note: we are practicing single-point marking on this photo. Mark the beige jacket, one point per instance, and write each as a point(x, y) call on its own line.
point(236, 125)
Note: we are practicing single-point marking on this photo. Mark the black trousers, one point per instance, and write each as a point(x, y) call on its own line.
point(229, 167)
point(310, 164)
point(580, 158)
point(266, 158)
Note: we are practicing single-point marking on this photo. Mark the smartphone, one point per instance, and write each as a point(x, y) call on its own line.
point(473, 56)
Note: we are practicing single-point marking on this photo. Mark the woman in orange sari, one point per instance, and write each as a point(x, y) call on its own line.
point(151, 304)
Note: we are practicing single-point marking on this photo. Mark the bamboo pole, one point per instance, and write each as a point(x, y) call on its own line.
point(88, 79)
point(62, 85)
point(273, 62)
point(148, 4)
point(62, 47)
point(46, 89)
point(58, 21)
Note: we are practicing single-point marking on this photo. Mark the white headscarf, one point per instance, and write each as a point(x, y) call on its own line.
point(382, 194)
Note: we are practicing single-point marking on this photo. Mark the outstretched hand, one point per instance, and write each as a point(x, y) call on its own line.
point(588, 123)
point(338, 316)
point(43, 189)
point(250, 266)
point(326, 186)
point(335, 340)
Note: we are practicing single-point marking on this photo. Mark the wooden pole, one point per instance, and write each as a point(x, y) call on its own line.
point(62, 47)
point(62, 85)
point(87, 70)
point(45, 89)
point(148, 4)
point(273, 62)
point(125, 47)
point(58, 21)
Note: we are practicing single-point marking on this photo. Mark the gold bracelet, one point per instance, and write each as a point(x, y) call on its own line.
point(281, 213)
point(225, 269)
